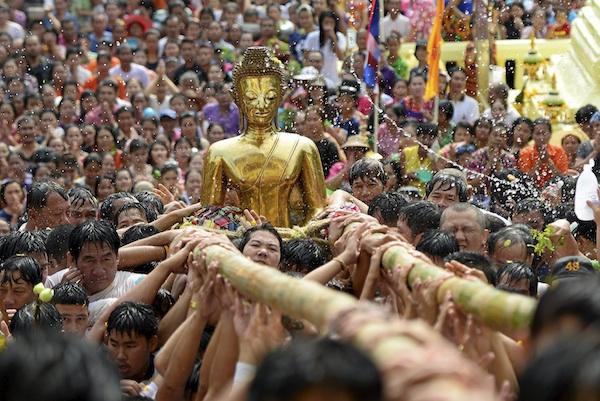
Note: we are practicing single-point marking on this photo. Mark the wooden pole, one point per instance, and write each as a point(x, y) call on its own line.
point(412, 357)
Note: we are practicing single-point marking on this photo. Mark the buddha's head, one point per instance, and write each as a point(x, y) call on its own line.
point(257, 82)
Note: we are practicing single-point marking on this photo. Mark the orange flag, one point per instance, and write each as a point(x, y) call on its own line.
point(434, 49)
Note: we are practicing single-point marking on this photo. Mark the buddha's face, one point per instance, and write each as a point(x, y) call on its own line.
point(260, 98)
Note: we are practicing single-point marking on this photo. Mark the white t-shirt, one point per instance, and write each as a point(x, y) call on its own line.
point(137, 71)
point(465, 110)
point(122, 283)
point(509, 118)
point(330, 60)
point(401, 25)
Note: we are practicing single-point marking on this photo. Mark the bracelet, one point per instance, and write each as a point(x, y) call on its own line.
point(166, 248)
point(243, 372)
point(341, 262)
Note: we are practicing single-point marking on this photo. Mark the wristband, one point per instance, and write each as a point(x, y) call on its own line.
point(166, 248)
point(243, 372)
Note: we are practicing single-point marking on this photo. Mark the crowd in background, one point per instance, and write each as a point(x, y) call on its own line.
point(107, 110)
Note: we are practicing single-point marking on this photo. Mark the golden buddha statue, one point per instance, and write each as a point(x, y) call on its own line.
point(273, 173)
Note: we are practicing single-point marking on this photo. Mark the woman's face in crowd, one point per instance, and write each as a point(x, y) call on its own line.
point(263, 247)
point(570, 144)
point(105, 188)
point(88, 134)
point(183, 151)
point(48, 122)
point(461, 135)
point(108, 164)
point(178, 104)
point(74, 138)
point(498, 138)
point(541, 135)
point(89, 103)
point(7, 113)
point(498, 110)
point(149, 130)
point(215, 134)
point(13, 194)
point(159, 154)
point(193, 185)
point(105, 141)
point(125, 121)
point(57, 145)
point(197, 162)
point(215, 74)
point(10, 69)
point(169, 180)
point(522, 134)
point(417, 87)
point(124, 183)
point(482, 132)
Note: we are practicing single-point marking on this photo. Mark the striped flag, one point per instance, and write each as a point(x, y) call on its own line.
point(373, 51)
point(434, 50)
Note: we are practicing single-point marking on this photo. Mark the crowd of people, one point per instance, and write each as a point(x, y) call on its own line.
point(108, 109)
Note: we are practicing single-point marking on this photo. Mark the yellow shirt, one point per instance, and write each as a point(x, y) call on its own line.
point(413, 163)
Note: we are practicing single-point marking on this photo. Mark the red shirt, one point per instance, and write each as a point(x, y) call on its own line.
point(529, 156)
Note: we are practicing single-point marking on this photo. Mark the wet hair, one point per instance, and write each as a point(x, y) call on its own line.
point(388, 204)
point(57, 243)
point(133, 318)
point(304, 254)
point(50, 375)
point(26, 266)
point(477, 261)
point(367, 168)
point(70, 293)
point(494, 223)
point(514, 236)
point(78, 196)
point(106, 208)
point(93, 231)
point(152, 203)
point(35, 316)
point(163, 302)
point(138, 232)
point(436, 243)
point(38, 194)
point(577, 297)
point(516, 271)
point(21, 242)
point(316, 363)
point(92, 158)
point(512, 184)
point(420, 216)
point(585, 113)
point(447, 181)
point(447, 109)
point(530, 205)
point(137, 144)
point(129, 206)
point(261, 227)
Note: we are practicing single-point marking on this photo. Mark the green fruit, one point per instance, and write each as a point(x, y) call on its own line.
point(46, 295)
point(39, 287)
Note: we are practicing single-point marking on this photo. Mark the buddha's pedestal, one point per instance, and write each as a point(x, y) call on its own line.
point(578, 71)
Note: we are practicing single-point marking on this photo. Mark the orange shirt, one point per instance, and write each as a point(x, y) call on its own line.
point(92, 84)
point(529, 156)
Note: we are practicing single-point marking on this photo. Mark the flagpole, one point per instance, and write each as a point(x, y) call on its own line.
point(376, 88)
